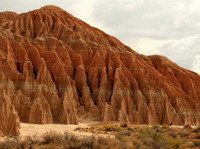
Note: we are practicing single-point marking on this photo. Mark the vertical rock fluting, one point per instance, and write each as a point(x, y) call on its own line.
point(56, 68)
point(40, 112)
point(9, 119)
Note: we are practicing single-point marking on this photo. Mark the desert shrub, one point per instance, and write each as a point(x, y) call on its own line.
point(119, 135)
point(10, 144)
point(157, 128)
point(129, 128)
point(33, 139)
point(88, 142)
point(165, 126)
point(173, 142)
point(52, 137)
point(25, 144)
point(108, 143)
point(198, 136)
point(102, 141)
point(188, 127)
point(196, 142)
point(78, 128)
point(187, 145)
point(70, 137)
point(82, 143)
point(175, 133)
point(124, 125)
point(157, 139)
point(111, 128)
point(152, 138)
point(197, 130)
point(184, 133)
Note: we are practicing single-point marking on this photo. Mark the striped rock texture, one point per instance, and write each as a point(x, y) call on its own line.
point(55, 68)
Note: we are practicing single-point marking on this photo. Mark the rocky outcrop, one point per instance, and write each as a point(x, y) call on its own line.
point(40, 112)
point(56, 68)
point(9, 119)
point(68, 109)
point(6, 16)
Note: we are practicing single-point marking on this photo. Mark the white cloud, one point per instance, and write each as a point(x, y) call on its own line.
point(183, 51)
point(167, 27)
point(196, 64)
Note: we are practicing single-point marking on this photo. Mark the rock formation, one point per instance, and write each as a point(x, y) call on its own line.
point(56, 68)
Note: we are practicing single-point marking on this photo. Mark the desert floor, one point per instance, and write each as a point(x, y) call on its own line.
point(28, 129)
point(38, 129)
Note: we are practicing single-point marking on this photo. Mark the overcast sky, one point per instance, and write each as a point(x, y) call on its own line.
point(166, 27)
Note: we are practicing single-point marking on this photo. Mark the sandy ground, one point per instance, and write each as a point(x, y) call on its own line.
point(38, 129)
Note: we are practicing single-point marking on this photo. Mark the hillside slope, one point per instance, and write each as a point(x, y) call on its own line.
point(54, 68)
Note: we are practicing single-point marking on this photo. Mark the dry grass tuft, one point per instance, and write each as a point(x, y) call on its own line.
point(52, 137)
point(126, 137)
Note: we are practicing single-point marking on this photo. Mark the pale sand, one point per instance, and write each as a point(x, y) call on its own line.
point(38, 129)
point(28, 129)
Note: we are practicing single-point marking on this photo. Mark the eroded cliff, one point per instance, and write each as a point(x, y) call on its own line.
point(56, 68)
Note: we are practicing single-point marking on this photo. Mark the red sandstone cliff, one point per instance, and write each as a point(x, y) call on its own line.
point(56, 68)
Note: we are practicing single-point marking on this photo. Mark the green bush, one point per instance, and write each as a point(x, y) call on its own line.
point(173, 142)
point(111, 128)
point(155, 138)
point(119, 135)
